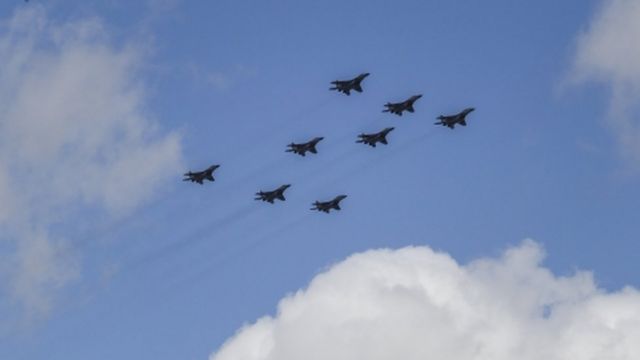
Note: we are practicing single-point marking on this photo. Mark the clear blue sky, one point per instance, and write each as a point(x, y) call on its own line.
point(241, 79)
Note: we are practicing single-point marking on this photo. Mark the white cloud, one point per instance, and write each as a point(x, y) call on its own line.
point(417, 304)
point(74, 134)
point(40, 267)
point(608, 52)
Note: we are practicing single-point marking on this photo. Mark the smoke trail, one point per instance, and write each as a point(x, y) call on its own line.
point(196, 236)
point(221, 259)
point(91, 235)
point(387, 155)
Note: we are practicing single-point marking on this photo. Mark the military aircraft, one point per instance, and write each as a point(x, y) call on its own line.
point(451, 120)
point(372, 139)
point(398, 108)
point(345, 86)
point(328, 205)
point(301, 149)
point(200, 176)
point(271, 196)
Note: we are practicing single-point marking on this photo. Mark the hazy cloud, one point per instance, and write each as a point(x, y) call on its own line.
point(418, 304)
point(608, 52)
point(74, 134)
point(218, 79)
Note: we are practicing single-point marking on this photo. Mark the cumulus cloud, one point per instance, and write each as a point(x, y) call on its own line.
point(74, 135)
point(608, 52)
point(416, 304)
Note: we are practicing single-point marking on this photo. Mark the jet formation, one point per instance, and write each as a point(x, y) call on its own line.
point(451, 120)
point(345, 86)
point(200, 176)
point(271, 196)
point(327, 206)
point(399, 108)
point(372, 139)
point(301, 149)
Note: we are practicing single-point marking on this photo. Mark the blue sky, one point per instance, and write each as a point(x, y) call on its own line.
point(176, 273)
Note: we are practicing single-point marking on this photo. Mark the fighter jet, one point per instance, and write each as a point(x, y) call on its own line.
point(271, 196)
point(451, 120)
point(372, 139)
point(301, 149)
point(328, 205)
point(398, 108)
point(345, 86)
point(200, 176)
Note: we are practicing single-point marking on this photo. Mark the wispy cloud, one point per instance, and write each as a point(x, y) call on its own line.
point(74, 134)
point(418, 304)
point(221, 80)
point(608, 52)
